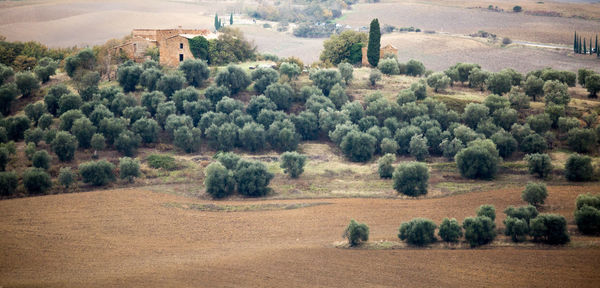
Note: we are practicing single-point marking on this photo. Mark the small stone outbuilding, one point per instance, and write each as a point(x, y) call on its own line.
point(387, 49)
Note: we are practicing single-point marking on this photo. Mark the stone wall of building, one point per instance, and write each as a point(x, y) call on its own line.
point(388, 49)
point(175, 50)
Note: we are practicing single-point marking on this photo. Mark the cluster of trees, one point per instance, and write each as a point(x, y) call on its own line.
point(231, 174)
point(37, 180)
point(302, 11)
point(24, 56)
point(481, 230)
point(249, 178)
point(580, 47)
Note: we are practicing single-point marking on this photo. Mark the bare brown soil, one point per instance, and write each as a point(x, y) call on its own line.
point(124, 238)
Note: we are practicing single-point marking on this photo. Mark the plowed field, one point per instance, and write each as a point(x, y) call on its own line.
point(138, 238)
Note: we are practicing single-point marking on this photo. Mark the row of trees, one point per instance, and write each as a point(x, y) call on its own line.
point(580, 47)
point(37, 180)
point(477, 231)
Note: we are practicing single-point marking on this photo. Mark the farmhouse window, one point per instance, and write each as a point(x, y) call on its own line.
point(180, 45)
point(180, 57)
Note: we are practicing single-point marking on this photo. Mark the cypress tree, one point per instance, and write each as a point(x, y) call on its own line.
point(580, 49)
point(591, 46)
point(217, 26)
point(220, 24)
point(597, 51)
point(231, 18)
point(584, 47)
point(575, 43)
point(373, 50)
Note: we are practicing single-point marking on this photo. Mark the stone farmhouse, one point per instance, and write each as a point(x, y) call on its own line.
point(387, 49)
point(172, 44)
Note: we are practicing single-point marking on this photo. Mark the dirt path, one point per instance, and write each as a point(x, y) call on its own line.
point(131, 238)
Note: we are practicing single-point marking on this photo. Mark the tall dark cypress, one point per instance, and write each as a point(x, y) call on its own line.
point(597, 50)
point(584, 47)
point(374, 43)
point(591, 46)
point(580, 49)
point(217, 27)
point(575, 42)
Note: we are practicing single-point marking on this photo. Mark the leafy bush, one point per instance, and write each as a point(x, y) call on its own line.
point(479, 160)
point(263, 77)
point(356, 233)
point(282, 136)
point(451, 147)
point(374, 76)
point(325, 79)
point(479, 230)
point(499, 83)
point(389, 146)
point(535, 193)
point(187, 139)
point(539, 164)
point(252, 137)
point(550, 229)
point(358, 146)
point(418, 147)
point(83, 130)
point(8, 94)
point(533, 143)
point(525, 213)
point(233, 78)
point(36, 181)
point(414, 68)
point(579, 168)
point(127, 143)
point(487, 211)
point(219, 181)
point(129, 76)
point(169, 83)
point(410, 178)
point(98, 142)
point(41, 159)
point(582, 140)
point(97, 173)
point(281, 94)
point(291, 70)
point(195, 71)
point(64, 145)
point(450, 230)
point(475, 113)
point(418, 231)
point(540, 123)
point(129, 168)
point(438, 81)
point(8, 183)
point(505, 143)
point(27, 83)
point(588, 220)
point(252, 178)
point(587, 199)
point(384, 165)
point(292, 163)
point(556, 92)
point(516, 228)
point(388, 66)
point(161, 161)
point(66, 177)
point(346, 71)
point(4, 158)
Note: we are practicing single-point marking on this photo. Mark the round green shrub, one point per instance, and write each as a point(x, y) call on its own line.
point(293, 163)
point(410, 178)
point(384, 165)
point(36, 181)
point(97, 173)
point(418, 231)
point(550, 229)
point(479, 230)
point(535, 193)
point(450, 230)
point(579, 168)
point(356, 233)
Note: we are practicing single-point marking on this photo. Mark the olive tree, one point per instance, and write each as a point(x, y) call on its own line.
point(479, 230)
point(535, 193)
point(479, 160)
point(450, 230)
point(36, 181)
point(219, 181)
point(419, 231)
point(64, 145)
point(356, 233)
point(410, 178)
point(293, 163)
point(195, 71)
point(129, 168)
point(252, 178)
point(97, 173)
point(550, 229)
point(385, 167)
point(539, 164)
point(233, 78)
point(579, 168)
point(263, 77)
